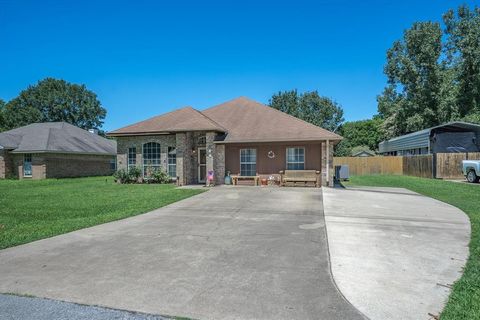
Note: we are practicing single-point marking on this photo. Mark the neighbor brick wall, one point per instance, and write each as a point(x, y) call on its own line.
point(52, 165)
point(38, 166)
point(6, 164)
point(73, 165)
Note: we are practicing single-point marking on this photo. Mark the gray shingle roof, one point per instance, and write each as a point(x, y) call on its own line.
point(58, 137)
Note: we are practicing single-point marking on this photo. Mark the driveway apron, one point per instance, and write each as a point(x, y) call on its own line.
point(230, 253)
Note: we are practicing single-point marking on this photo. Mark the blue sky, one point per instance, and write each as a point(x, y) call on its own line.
point(144, 58)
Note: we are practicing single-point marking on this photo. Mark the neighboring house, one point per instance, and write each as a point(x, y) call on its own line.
point(447, 138)
point(364, 153)
point(240, 136)
point(54, 150)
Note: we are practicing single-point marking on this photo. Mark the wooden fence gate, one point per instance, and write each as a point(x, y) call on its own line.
point(448, 165)
point(418, 166)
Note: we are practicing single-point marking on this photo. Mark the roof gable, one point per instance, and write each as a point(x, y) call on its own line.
point(185, 119)
point(249, 121)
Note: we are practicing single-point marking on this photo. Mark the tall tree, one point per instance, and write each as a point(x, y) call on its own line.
point(311, 107)
point(463, 53)
point(2, 117)
point(413, 97)
point(364, 133)
point(55, 100)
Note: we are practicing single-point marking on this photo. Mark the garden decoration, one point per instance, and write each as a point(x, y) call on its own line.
point(210, 178)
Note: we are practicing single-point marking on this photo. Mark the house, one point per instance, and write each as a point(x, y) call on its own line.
point(447, 138)
point(240, 136)
point(54, 150)
point(364, 153)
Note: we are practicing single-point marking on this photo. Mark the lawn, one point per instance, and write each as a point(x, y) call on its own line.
point(464, 301)
point(32, 210)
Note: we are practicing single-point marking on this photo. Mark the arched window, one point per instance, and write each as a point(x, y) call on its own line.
point(151, 158)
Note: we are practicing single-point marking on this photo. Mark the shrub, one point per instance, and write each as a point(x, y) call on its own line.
point(134, 174)
point(159, 176)
point(121, 176)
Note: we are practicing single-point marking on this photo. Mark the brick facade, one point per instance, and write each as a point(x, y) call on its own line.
point(219, 163)
point(71, 165)
point(123, 143)
point(186, 144)
point(57, 165)
point(327, 164)
point(6, 164)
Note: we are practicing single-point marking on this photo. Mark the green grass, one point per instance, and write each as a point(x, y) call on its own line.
point(464, 301)
point(32, 210)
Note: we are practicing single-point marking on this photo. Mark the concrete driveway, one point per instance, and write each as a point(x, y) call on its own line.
point(394, 252)
point(230, 253)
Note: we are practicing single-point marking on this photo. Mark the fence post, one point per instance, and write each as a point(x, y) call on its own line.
point(434, 165)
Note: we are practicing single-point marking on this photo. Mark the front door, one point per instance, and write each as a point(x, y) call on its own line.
point(202, 165)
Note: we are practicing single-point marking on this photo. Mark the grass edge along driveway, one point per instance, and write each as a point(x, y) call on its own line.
point(464, 300)
point(36, 209)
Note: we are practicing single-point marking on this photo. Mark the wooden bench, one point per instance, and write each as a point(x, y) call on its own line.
point(237, 177)
point(303, 177)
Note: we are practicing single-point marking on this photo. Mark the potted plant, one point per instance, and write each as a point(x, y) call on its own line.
point(228, 179)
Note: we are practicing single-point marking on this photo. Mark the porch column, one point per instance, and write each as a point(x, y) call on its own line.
point(184, 145)
point(219, 164)
point(327, 164)
point(212, 157)
point(182, 152)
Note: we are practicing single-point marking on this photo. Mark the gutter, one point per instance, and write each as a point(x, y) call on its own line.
point(156, 133)
point(65, 152)
point(279, 140)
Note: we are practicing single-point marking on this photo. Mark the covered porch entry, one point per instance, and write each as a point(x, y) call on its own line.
point(267, 160)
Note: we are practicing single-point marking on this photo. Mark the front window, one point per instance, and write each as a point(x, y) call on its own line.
point(151, 158)
point(132, 157)
point(295, 158)
point(248, 162)
point(113, 164)
point(27, 165)
point(202, 140)
point(172, 162)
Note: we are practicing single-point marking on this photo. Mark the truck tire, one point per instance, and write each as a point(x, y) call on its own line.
point(472, 176)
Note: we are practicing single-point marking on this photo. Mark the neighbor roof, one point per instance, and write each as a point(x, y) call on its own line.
point(249, 121)
point(55, 137)
point(369, 152)
point(242, 119)
point(185, 119)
